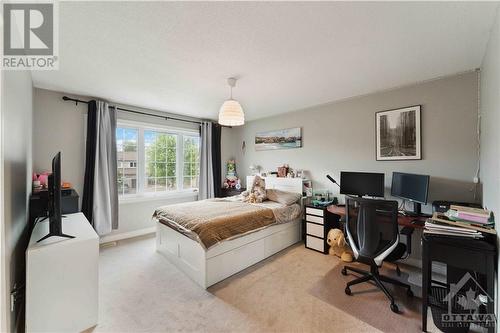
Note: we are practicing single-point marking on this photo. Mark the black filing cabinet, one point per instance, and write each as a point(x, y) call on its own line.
point(317, 223)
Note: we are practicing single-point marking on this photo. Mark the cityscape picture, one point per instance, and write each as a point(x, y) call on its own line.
point(279, 139)
point(398, 134)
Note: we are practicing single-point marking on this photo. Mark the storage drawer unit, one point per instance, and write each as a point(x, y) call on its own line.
point(317, 223)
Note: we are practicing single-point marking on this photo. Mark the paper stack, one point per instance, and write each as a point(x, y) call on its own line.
point(475, 216)
point(441, 224)
point(438, 228)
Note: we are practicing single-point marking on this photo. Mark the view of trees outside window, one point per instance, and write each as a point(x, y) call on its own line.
point(191, 162)
point(161, 158)
point(168, 161)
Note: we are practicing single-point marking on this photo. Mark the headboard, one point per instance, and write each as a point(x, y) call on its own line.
point(293, 185)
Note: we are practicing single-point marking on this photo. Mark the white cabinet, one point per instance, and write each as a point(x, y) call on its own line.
point(62, 278)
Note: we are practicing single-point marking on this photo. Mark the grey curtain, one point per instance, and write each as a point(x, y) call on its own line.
point(105, 196)
point(206, 189)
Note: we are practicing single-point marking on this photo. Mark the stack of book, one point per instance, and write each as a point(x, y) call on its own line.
point(461, 222)
point(474, 216)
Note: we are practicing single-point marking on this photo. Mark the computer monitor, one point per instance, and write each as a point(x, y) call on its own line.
point(411, 187)
point(362, 183)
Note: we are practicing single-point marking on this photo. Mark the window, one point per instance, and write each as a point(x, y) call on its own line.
point(127, 154)
point(156, 160)
point(191, 154)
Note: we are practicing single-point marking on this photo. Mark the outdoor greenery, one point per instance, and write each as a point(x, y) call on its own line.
point(161, 158)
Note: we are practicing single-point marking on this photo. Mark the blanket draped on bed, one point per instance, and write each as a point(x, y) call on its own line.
point(214, 220)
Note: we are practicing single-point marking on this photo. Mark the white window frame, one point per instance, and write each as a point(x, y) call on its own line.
point(140, 194)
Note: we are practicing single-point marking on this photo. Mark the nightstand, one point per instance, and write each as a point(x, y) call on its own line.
point(229, 192)
point(317, 223)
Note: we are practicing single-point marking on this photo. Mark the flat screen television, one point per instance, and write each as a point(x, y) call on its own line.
point(54, 209)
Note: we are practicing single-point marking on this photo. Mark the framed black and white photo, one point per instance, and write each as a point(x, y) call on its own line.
point(398, 134)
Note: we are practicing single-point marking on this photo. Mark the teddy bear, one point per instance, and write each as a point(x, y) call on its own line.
point(257, 191)
point(338, 246)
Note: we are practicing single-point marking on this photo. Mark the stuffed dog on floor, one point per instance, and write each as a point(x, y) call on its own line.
point(338, 246)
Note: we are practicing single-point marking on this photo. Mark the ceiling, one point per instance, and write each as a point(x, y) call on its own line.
point(175, 57)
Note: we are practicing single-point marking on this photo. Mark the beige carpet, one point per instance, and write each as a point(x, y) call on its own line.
point(369, 303)
point(140, 291)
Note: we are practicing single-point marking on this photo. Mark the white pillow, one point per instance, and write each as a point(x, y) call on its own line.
point(283, 197)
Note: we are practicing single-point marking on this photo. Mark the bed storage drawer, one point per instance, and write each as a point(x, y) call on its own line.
point(315, 243)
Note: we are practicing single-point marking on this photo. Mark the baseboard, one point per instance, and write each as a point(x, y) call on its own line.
point(125, 235)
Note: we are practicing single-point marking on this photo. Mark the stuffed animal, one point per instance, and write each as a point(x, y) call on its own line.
point(338, 246)
point(257, 191)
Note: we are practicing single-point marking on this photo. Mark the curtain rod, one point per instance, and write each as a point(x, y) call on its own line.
point(66, 98)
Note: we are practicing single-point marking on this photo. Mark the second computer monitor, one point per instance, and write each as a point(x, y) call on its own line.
point(410, 187)
point(362, 183)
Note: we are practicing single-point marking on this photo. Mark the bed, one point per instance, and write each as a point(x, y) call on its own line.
point(207, 261)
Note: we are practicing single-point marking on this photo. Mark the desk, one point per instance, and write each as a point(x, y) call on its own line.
point(404, 221)
point(468, 254)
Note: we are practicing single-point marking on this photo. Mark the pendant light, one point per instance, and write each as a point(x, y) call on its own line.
point(231, 112)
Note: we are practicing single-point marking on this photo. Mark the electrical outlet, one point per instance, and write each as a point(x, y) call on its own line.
point(475, 180)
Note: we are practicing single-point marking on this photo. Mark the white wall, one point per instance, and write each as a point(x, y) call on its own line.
point(16, 151)
point(60, 126)
point(490, 127)
point(490, 121)
point(341, 136)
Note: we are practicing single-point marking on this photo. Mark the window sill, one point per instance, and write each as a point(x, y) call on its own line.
point(156, 197)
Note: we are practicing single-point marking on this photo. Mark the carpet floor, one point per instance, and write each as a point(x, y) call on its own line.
point(296, 290)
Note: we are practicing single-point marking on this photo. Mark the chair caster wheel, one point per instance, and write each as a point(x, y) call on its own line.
point(394, 308)
point(409, 293)
point(348, 291)
point(344, 271)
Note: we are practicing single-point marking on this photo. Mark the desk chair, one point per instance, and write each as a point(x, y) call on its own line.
point(372, 232)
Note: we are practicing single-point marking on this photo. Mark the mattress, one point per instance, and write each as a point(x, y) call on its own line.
point(212, 221)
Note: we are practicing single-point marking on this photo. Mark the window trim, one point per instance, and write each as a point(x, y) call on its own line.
point(140, 194)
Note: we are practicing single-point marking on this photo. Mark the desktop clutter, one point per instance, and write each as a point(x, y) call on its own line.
point(461, 221)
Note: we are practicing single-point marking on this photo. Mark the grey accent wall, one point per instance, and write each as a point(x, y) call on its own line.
point(61, 126)
point(341, 136)
point(17, 114)
point(490, 121)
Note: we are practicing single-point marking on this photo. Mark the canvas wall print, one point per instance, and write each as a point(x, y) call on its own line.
point(279, 139)
point(398, 134)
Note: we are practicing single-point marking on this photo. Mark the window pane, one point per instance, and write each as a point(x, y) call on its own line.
point(126, 146)
point(191, 161)
point(171, 155)
point(161, 184)
point(172, 184)
point(187, 169)
point(129, 185)
point(150, 185)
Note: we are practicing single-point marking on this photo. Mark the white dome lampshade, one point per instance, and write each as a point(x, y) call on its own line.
point(231, 112)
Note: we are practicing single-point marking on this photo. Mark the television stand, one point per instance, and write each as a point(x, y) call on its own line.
point(62, 278)
point(54, 235)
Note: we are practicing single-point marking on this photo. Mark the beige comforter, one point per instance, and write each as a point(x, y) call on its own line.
point(214, 220)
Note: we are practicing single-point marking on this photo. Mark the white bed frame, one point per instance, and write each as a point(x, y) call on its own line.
point(207, 267)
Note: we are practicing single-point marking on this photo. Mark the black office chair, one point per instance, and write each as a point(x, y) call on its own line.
point(372, 232)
